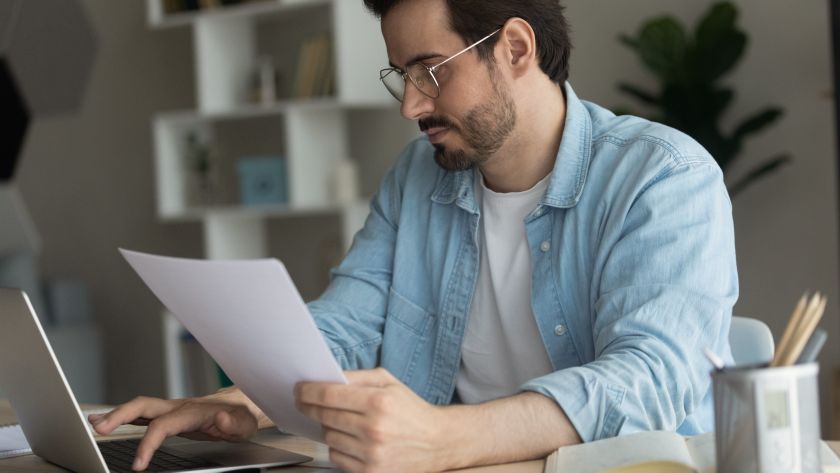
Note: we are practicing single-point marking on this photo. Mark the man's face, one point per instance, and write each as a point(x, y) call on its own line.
point(474, 114)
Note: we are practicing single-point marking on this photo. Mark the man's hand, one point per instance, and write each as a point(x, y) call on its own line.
point(375, 423)
point(228, 415)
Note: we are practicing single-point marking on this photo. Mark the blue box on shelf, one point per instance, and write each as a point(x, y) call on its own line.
point(262, 180)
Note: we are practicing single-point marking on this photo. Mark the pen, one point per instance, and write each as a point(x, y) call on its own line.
point(812, 348)
point(714, 359)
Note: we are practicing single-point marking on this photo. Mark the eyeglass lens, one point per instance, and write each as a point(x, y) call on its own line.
point(418, 74)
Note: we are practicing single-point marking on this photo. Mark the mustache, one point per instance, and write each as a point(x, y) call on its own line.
point(434, 122)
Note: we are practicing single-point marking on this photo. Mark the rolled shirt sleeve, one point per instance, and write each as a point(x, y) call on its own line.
point(667, 284)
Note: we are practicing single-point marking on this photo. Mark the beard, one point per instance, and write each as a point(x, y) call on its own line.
point(485, 129)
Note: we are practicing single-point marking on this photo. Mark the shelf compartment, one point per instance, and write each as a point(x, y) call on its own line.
point(158, 18)
point(310, 139)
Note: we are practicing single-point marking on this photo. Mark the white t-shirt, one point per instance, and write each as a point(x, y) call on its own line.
point(502, 347)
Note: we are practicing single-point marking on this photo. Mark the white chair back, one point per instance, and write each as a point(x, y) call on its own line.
point(751, 341)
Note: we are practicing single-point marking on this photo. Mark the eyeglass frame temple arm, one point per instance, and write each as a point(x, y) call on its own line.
point(434, 68)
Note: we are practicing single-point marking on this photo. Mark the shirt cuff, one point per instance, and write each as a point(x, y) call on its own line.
point(593, 408)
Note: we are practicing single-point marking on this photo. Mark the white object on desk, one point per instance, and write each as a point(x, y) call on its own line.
point(651, 451)
point(655, 451)
point(13, 442)
point(251, 319)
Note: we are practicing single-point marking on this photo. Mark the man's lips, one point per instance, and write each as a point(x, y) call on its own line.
point(435, 133)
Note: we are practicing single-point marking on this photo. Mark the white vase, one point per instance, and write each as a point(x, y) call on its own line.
point(344, 181)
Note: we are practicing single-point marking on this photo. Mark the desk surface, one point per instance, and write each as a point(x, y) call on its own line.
point(270, 437)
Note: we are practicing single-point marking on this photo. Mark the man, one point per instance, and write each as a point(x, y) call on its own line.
point(535, 272)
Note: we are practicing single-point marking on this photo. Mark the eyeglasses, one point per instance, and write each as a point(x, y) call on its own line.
point(421, 75)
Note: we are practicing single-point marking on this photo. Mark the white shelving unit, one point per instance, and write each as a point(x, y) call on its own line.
point(311, 133)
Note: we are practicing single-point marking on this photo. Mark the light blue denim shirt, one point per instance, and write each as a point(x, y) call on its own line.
point(633, 257)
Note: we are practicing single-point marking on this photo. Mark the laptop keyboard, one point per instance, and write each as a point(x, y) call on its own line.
point(119, 456)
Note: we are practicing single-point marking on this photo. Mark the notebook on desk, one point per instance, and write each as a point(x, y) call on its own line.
point(56, 429)
point(650, 452)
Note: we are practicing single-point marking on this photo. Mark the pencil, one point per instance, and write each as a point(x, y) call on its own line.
point(793, 321)
point(800, 339)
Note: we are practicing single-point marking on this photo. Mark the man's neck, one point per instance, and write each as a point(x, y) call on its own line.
point(529, 154)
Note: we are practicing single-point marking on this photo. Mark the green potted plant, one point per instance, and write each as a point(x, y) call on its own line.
point(689, 67)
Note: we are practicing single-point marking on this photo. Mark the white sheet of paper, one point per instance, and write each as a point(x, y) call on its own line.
point(12, 441)
point(251, 319)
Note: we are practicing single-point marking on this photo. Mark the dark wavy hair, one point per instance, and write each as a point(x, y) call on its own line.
point(474, 19)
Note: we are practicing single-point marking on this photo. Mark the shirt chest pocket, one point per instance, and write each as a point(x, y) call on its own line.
point(408, 329)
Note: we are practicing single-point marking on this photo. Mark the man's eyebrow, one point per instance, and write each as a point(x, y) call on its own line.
point(417, 58)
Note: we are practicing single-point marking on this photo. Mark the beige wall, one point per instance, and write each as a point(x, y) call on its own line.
point(88, 178)
point(786, 226)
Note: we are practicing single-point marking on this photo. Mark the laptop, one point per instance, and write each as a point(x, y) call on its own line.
point(58, 432)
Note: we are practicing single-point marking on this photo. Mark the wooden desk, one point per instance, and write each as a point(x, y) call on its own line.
point(270, 437)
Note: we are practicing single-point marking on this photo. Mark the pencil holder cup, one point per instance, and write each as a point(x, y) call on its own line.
point(767, 420)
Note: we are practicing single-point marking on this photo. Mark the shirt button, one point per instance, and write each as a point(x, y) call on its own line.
point(560, 330)
point(545, 246)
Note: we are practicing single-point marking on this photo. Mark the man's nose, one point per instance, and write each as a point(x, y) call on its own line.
point(416, 104)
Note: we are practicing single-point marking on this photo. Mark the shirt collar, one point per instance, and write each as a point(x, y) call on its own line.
point(570, 168)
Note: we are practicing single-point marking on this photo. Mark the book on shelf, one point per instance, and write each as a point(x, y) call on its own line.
point(314, 69)
point(180, 6)
point(304, 70)
point(327, 83)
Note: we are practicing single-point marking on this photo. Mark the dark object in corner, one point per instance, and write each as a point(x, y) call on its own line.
point(14, 121)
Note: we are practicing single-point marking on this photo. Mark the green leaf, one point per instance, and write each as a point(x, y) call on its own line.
point(662, 46)
point(641, 95)
point(717, 23)
point(629, 41)
point(769, 167)
point(718, 43)
point(678, 106)
point(688, 95)
point(709, 63)
point(757, 122)
point(697, 104)
point(694, 105)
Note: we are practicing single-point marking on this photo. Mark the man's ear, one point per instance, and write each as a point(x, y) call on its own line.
point(518, 46)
